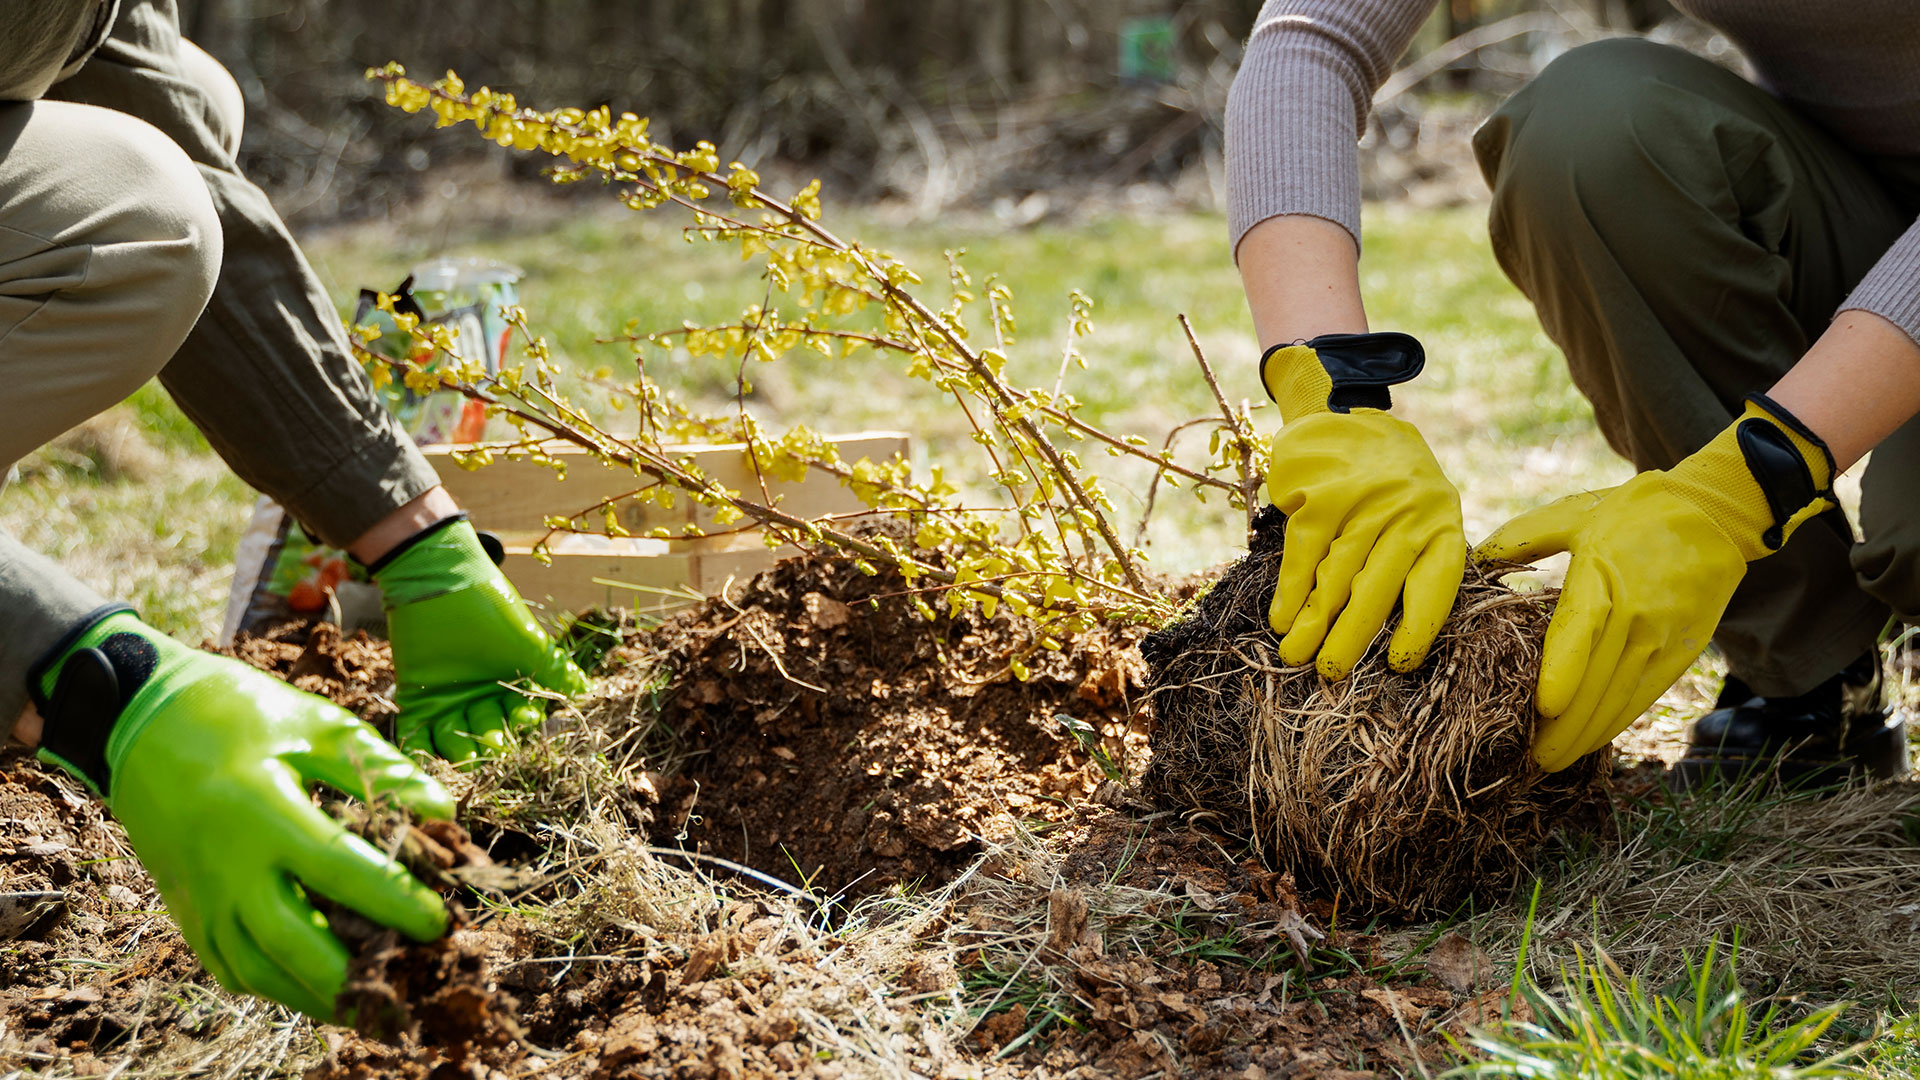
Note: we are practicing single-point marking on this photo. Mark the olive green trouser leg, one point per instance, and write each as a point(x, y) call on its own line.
point(111, 233)
point(109, 247)
point(1684, 237)
point(267, 373)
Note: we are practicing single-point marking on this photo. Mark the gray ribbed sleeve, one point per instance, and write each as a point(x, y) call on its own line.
point(1891, 289)
point(1300, 103)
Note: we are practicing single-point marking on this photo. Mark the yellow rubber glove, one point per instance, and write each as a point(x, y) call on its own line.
point(1655, 561)
point(1371, 520)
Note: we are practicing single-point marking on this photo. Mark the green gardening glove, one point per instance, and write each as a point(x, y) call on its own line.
point(460, 633)
point(208, 762)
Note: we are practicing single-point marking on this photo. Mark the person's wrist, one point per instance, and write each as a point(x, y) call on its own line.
point(1302, 278)
point(1759, 479)
point(403, 524)
point(1339, 372)
point(26, 728)
point(29, 728)
point(430, 537)
point(1295, 380)
point(96, 688)
point(448, 556)
point(1811, 448)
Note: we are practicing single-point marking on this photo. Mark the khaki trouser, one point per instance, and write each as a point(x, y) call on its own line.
point(131, 246)
point(1684, 237)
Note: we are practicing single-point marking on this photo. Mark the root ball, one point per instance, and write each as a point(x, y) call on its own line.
point(1399, 794)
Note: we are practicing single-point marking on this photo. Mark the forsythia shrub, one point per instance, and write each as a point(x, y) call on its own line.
point(1050, 551)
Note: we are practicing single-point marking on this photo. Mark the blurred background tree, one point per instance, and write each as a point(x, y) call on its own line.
point(932, 102)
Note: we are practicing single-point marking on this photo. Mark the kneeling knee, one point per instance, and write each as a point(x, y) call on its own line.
point(154, 224)
point(116, 227)
point(1579, 123)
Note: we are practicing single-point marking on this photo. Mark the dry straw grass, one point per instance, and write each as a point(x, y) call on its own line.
point(618, 900)
point(1822, 892)
point(1399, 794)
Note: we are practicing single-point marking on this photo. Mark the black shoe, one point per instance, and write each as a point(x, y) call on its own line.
point(1837, 731)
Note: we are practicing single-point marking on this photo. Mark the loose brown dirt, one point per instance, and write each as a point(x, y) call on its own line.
point(816, 727)
point(95, 976)
point(354, 672)
point(833, 733)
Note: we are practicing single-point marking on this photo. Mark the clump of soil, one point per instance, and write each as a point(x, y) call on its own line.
point(437, 993)
point(1400, 793)
point(354, 672)
point(475, 1003)
point(831, 730)
point(660, 1013)
point(432, 1009)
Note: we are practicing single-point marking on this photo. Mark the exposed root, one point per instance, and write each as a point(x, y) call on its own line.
point(1397, 794)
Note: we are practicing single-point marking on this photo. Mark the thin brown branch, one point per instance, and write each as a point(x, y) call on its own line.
point(874, 340)
point(1041, 442)
point(1243, 439)
point(1153, 488)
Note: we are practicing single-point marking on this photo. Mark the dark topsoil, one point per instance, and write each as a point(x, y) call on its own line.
point(819, 724)
point(833, 732)
point(58, 994)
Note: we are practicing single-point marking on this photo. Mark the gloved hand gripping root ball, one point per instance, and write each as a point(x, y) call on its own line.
point(1372, 523)
point(1391, 793)
point(1655, 562)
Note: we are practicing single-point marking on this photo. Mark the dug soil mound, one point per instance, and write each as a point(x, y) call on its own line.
point(89, 963)
point(833, 731)
point(354, 672)
point(813, 725)
point(1400, 793)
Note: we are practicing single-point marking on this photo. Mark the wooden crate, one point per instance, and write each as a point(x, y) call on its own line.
point(649, 576)
point(513, 499)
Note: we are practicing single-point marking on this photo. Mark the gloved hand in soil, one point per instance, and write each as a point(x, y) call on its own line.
point(460, 634)
point(1371, 520)
point(207, 762)
point(1655, 561)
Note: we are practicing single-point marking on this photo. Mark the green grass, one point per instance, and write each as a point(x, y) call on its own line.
point(163, 543)
point(1605, 1026)
point(1496, 402)
point(1895, 1052)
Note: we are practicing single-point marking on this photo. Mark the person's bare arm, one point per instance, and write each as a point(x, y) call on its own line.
point(1858, 383)
point(1302, 276)
point(26, 730)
